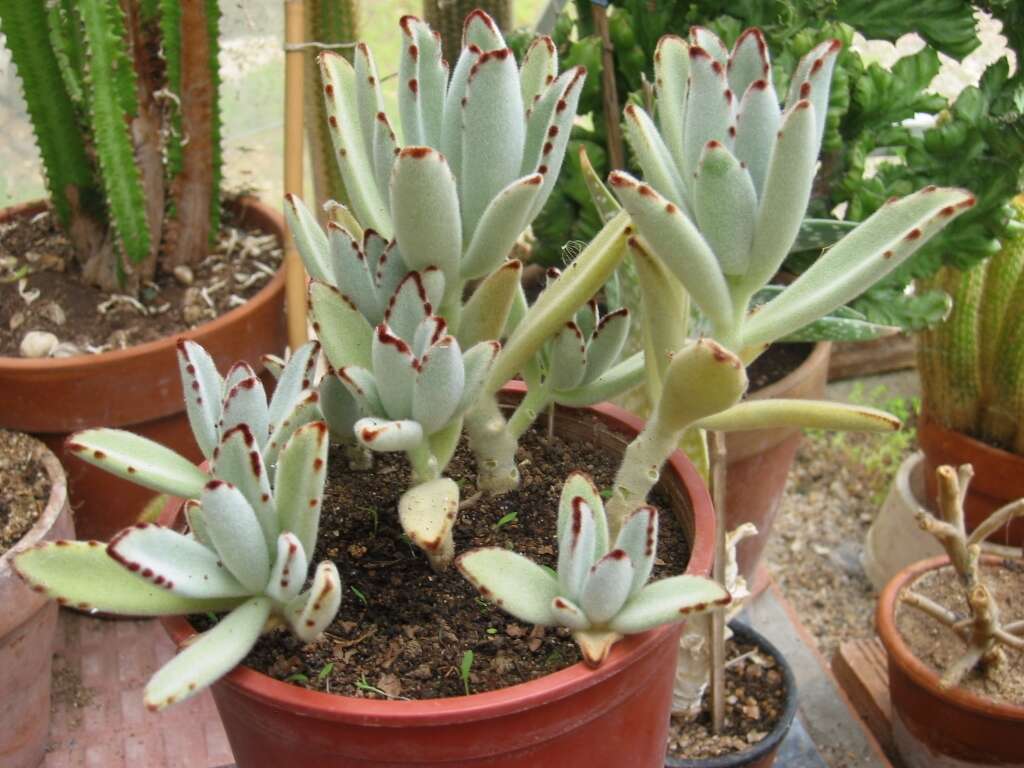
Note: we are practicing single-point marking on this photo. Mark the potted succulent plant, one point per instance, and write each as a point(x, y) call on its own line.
point(123, 102)
point(952, 627)
point(969, 381)
point(36, 509)
point(411, 363)
point(729, 176)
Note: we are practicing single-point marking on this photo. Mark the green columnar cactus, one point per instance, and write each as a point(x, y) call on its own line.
point(253, 518)
point(92, 81)
point(330, 22)
point(447, 16)
point(971, 365)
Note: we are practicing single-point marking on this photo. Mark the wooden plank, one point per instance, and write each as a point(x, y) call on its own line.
point(868, 358)
point(861, 667)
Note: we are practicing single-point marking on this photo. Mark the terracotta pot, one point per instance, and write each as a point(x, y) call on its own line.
point(28, 623)
point(614, 716)
point(998, 475)
point(759, 461)
point(936, 728)
point(762, 754)
point(894, 539)
point(138, 389)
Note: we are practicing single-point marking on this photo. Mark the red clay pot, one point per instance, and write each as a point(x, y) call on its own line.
point(612, 717)
point(138, 389)
point(759, 461)
point(936, 728)
point(998, 476)
point(28, 623)
point(762, 754)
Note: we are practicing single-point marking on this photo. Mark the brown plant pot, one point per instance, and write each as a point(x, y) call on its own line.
point(936, 728)
point(998, 476)
point(137, 389)
point(615, 715)
point(759, 461)
point(28, 623)
point(762, 754)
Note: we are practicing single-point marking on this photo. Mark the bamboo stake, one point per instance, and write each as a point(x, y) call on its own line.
point(295, 275)
point(716, 442)
point(609, 92)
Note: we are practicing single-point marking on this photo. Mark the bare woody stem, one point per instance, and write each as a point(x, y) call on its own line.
point(982, 630)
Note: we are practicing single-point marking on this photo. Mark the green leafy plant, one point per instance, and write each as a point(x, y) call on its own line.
point(123, 101)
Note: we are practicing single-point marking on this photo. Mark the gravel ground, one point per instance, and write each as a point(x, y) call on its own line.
point(834, 490)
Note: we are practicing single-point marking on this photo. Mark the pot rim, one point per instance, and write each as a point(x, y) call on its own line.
point(770, 742)
point(819, 351)
point(899, 652)
point(492, 704)
point(68, 366)
point(17, 600)
point(55, 504)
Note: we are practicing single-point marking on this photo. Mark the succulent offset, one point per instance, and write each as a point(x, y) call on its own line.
point(601, 590)
point(246, 553)
point(580, 364)
point(728, 179)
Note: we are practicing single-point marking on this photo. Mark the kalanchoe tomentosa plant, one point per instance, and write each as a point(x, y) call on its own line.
point(252, 525)
point(408, 355)
point(729, 175)
point(601, 589)
point(605, 556)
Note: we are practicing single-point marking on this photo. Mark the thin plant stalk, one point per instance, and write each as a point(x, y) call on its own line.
point(717, 448)
point(295, 274)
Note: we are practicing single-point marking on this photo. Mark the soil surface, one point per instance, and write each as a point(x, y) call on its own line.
point(24, 487)
point(835, 488)
point(776, 363)
point(41, 290)
point(755, 699)
point(404, 631)
point(936, 645)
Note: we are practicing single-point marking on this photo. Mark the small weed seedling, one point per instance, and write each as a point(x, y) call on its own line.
point(464, 667)
point(508, 519)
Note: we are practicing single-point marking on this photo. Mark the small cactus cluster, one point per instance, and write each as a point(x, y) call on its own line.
point(252, 524)
point(601, 590)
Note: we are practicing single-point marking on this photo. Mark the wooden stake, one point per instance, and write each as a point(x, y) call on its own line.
point(609, 92)
point(295, 274)
point(716, 444)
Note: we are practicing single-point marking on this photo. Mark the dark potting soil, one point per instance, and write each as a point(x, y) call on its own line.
point(755, 699)
point(939, 647)
point(403, 631)
point(41, 289)
point(24, 487)
point(778, 361)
